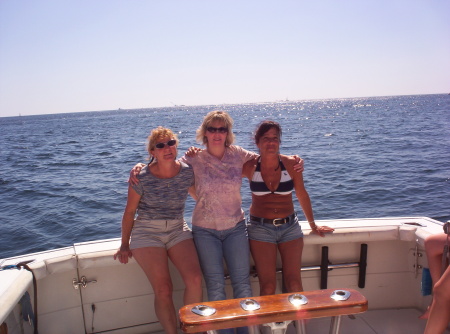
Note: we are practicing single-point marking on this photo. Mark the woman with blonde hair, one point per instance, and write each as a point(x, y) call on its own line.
point(159, 232)
point(218, 223)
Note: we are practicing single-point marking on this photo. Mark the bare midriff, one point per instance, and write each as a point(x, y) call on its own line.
point(272, 206)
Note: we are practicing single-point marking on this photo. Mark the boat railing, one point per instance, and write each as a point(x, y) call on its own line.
point(326, 266)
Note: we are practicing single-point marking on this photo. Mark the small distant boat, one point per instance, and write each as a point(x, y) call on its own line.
point(81, 289)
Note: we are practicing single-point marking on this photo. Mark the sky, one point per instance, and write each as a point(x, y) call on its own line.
point(59, 56)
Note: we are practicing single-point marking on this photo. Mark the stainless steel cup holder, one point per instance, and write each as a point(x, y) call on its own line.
point(297, 299)
point(340, 295)
point(250, 305)
point(203, 310)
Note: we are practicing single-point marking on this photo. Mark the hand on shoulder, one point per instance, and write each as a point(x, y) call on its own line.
point(133, 179)
point(294, 162)
point(193, 151)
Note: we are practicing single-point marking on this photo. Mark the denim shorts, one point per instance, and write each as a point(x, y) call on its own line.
point(159, 233)
point(266, 232)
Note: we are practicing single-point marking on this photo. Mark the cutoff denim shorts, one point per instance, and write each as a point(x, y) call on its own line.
point(159, 233)
point(267, 232)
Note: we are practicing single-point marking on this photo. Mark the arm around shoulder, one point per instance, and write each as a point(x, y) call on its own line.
point(133, 179)
point(298, 165)
point(249, 167)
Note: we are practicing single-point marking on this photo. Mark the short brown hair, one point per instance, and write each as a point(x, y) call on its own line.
point(265, 126)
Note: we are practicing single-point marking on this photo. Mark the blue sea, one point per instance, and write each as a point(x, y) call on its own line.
point(63, 177)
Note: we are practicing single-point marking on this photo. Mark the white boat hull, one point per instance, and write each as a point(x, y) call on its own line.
point(121, 299)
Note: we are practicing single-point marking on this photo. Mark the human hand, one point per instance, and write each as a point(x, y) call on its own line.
point(321, 230)
point(133, 180)
point(123, 253)
point(193, 151)
point(299, 166)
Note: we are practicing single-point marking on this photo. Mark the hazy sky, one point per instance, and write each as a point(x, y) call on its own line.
point(86, 55)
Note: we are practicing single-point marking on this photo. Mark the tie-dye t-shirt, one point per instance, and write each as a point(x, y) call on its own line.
point(218, 187)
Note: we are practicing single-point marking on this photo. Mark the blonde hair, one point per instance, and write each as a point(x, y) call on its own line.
point(212, 116)
point(159, 132)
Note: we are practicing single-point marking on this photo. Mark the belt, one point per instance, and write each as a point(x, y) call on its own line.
point(275, 221)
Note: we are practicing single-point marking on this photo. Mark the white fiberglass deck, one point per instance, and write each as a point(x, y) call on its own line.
point(393, 274)
point(390, 321)
point(396, 321)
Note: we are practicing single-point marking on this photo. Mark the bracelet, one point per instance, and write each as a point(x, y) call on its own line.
point(313, 225)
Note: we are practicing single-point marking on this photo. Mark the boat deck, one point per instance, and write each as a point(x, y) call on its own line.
point(397, 321)
point(391, 321)
point(392, 281)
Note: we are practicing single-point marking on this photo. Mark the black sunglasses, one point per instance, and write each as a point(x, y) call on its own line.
point(169, 143)
point(214, 130)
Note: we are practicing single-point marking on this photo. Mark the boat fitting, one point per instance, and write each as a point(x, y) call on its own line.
point(203, 310)
point(297, 299)
point(340, 295)
point(250, 305)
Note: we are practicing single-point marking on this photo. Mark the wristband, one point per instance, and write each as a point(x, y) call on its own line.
point(313, 225)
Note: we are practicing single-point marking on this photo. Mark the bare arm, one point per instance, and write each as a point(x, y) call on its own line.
point(304, 199)
point(299, 167)
point(133, 179)
point(249, 167)
point(124, 252)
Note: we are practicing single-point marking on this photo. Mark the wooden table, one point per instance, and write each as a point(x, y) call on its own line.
point(272, 309)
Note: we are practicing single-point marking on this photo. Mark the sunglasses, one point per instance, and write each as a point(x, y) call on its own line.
point(169, 143)
point(214, 130)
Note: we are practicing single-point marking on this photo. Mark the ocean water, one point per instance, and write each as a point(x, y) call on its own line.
point(63, 176)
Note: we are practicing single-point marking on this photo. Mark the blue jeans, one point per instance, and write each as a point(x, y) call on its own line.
point(213, 247)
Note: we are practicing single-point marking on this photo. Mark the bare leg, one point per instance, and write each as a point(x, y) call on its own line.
point(265, 256)
point(434, 247)
point(291, 256)
point(439, 316)
point(154, 262)
point(184, 256)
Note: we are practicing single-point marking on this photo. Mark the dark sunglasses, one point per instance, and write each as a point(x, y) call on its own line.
point(214, 130)
point(169, 143)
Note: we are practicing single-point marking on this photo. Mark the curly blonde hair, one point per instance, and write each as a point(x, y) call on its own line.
point(158, 133)
point(212, 116)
